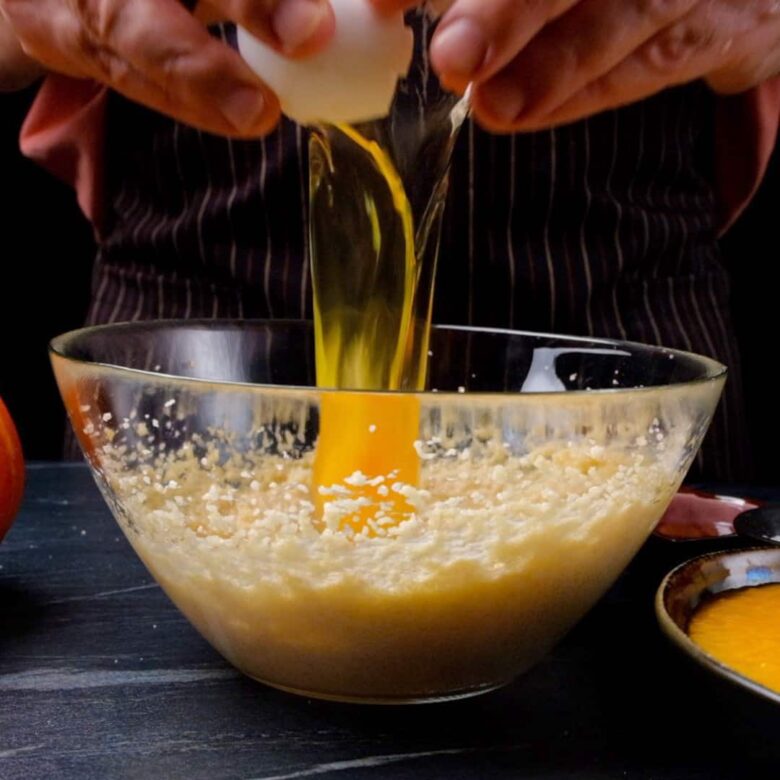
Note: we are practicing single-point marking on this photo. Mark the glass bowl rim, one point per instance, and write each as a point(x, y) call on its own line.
point(711, 369)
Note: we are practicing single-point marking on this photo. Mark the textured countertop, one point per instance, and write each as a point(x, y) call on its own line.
point(101, 677)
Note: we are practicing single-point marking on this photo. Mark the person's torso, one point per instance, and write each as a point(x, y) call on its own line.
point(604, 227)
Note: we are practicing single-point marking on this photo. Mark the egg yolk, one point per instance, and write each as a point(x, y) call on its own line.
point(366, 458)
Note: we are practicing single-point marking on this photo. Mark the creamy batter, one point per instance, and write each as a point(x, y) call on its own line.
point(499, 557)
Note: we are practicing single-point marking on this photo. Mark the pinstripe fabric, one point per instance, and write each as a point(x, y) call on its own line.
point(605, 227)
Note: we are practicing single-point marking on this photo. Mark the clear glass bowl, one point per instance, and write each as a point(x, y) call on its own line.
point(540, 465)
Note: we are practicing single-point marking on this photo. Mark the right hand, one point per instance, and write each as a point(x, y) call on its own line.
point(157, 53)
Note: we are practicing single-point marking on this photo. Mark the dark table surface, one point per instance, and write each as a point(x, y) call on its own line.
point(101, 677)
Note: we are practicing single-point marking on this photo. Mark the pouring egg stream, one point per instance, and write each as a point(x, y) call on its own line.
point(373, 263)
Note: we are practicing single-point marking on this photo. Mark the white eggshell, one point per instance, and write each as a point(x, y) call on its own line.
point(353, 80)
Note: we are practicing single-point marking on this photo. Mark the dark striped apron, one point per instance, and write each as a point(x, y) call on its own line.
point(605, 228)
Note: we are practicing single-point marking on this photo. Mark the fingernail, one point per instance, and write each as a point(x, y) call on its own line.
point(501, 101)
point(244, 108)
point(459, 49)
point(296, 22)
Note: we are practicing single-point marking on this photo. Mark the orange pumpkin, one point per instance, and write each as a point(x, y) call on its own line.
point(11, 470)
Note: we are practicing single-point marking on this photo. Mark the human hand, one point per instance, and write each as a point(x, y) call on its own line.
point(540, 63)
point(17, 70)
point(157, 53)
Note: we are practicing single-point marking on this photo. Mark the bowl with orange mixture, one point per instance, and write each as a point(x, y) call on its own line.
point(723, 610)
point(382, 546)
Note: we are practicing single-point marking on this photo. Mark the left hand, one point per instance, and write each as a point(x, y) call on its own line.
point(157, 53)
point(540, 63)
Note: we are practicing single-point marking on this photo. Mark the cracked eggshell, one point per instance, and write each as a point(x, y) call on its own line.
point(353, 80)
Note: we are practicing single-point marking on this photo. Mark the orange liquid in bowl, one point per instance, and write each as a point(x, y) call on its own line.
point(741, 629)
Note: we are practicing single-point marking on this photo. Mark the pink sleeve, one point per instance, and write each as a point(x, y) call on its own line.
point(746, 131)
point(64, 132)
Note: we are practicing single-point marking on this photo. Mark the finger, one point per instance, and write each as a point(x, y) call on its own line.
point(744, 66)
point(18, 69)
point(682, 52)
point(294, 27)
point(172, 64)
point(45, 34)
point(477, 38)
point(575, 49)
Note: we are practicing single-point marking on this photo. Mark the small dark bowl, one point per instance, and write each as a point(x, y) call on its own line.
point(687, 586)
point(762, 525)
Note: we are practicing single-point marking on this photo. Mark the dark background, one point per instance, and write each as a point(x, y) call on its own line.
point(45, 268)
point(46, 257)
